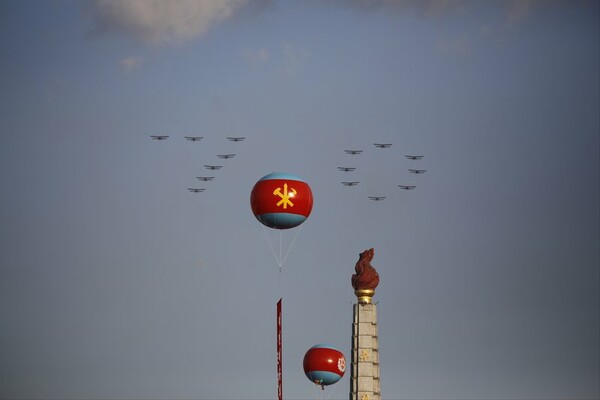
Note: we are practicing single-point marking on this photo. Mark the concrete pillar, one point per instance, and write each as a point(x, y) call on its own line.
point(364, 368)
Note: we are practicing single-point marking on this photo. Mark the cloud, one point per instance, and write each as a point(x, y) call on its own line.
point(256, 56)
point(460, 45)
point(162, 21)
point(517, 10)
point(293, 58)
point(514, 10)
point(421, 7)
point(131, 63)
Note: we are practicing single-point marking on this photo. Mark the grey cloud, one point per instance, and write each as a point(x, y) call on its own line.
point(293, 58)
point(256, 56)
point(514, 10)
point(130, 63)
point(421, 7)
point(457, 45)
point(517, 10)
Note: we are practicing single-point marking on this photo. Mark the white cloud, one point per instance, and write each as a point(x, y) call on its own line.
point(130, 63)
point(162, 21)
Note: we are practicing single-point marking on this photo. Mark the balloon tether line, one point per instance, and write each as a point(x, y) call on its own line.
point(281, 259)
point(268, 239)
point(292, 244)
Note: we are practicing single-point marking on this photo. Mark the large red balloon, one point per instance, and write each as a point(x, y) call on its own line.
point(281, 200)
point(324, 365)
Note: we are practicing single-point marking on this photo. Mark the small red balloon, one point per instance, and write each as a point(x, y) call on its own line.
point(324, 365)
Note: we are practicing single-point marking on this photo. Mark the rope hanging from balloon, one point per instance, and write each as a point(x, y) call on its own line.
point(280, 257)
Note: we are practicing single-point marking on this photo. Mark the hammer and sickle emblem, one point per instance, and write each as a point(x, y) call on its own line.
point(285, 196)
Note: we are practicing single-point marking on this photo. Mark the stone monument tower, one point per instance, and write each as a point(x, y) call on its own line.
point(364, 378)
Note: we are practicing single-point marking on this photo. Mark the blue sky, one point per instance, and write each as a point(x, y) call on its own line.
point(117, 283)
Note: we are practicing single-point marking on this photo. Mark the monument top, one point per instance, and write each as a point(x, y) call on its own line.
point(366, 278)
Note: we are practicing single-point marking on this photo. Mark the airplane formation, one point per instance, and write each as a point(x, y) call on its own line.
point(356, 152)
point(211, 167)
point(344, 169)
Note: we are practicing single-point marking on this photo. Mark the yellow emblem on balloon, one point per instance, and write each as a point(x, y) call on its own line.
point(285, 196)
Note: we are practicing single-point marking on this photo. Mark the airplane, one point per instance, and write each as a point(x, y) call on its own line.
point(196, 190)
point(213, 167)
point(376, 198)
point(382, 145)
point(353, 151)
point(349, 183)
point(235, 139)
point(205, 178)
point(417, 171)
point(226, 155)
point(193, 138)
point(407, 187)
point(346, 169)
point(413, 157)
point(159, 137)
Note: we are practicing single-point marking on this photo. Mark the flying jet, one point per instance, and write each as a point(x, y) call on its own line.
point(417, 171)
point(376, 198)
point(224, 156)
point(193, 138)
point(235, 139)
point(382, 145)
point(407, 187)
point(196, 190)
point(353, 151)
point(349, 183)
point(413, 157)
point(205, 178)
point(346, 169)
point(213, 167)
point(159, 137)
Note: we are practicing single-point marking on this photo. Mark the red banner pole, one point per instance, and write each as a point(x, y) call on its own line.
point(279, 355)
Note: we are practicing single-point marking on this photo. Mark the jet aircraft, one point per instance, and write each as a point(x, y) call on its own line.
point(235, 139)
point(353, 151)
point(413, 157)
point(193, 138)
point(407, 187)
point(213, 167)
point(196, 190)
point(225, 156)
point(376, 198)
point(159, 137)
point(417, 171)
point(346, 169)
point(349, 183)
point(205, 178)
point(382, 145)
